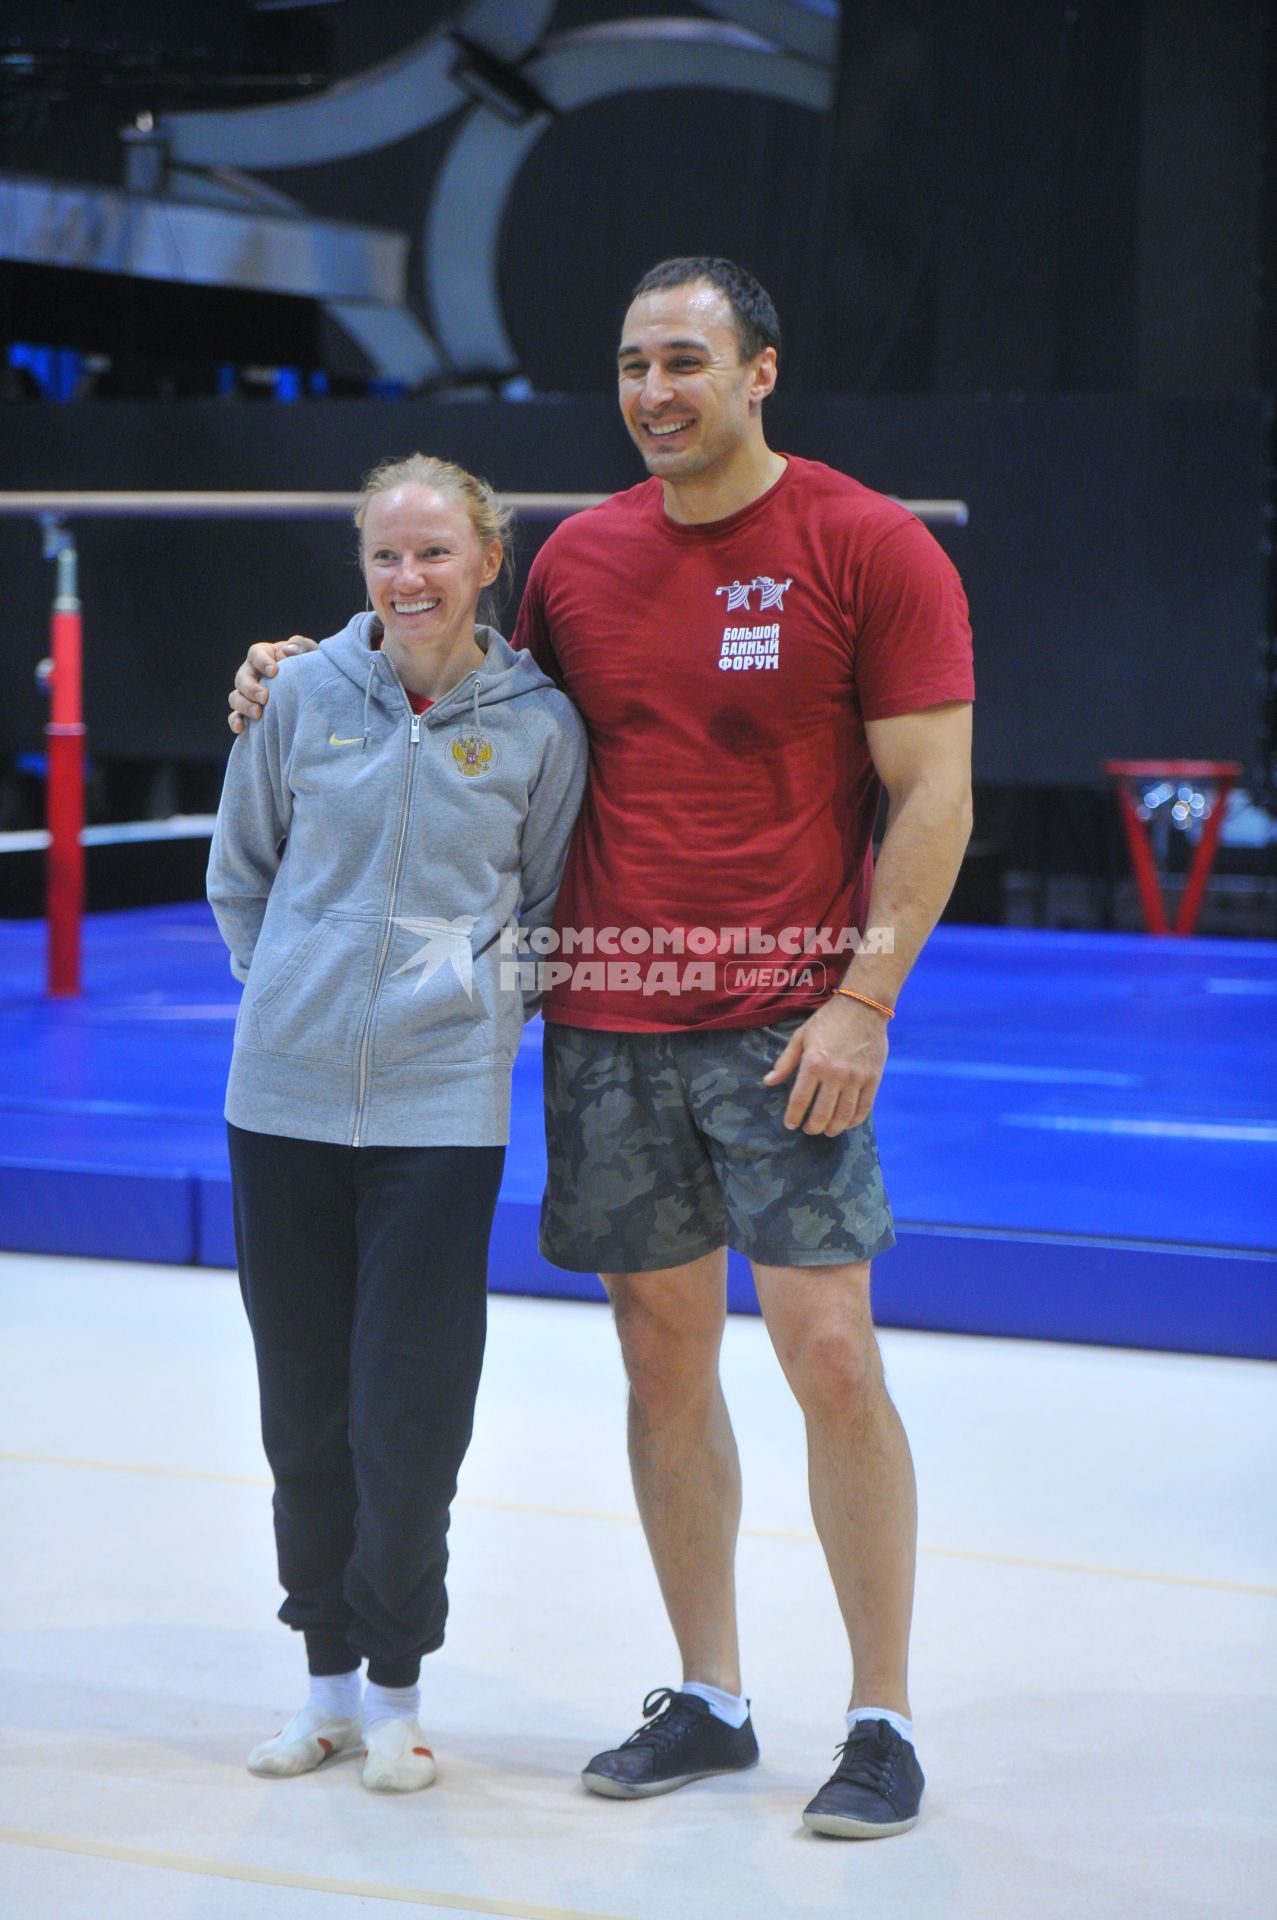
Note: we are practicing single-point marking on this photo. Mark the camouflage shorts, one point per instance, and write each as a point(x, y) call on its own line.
point(664, 1146)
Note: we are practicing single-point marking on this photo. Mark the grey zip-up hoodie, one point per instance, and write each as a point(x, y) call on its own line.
point(365, 863)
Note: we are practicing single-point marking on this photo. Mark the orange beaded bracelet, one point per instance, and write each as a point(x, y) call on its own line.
point(878, 1005)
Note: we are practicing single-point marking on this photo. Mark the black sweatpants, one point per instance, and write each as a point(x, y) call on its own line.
point(364, 1273)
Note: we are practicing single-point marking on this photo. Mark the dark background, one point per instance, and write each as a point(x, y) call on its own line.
point(1026, 260)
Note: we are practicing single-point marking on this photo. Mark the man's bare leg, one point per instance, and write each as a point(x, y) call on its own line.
point(683, 1454)
point(860, 1471)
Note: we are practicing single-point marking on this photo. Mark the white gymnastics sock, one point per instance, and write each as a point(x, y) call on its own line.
point(731, 1708)
point(390, 1703)
point(336, 1693)
point(312, 1736)
point(397, 1757)
point(897, 1720)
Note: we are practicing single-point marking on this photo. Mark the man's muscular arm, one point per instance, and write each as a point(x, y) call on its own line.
point(924, 762)
point(248, 696)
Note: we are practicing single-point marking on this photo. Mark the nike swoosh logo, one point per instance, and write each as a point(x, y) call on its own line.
point(354, 740)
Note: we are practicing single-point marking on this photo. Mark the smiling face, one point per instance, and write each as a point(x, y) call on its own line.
point(691, 404)
point(425, 568)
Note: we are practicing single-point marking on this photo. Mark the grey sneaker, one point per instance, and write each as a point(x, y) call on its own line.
point(876, 1790)
point(680, 1740)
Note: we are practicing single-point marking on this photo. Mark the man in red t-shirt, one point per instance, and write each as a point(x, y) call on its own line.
point(758, 646)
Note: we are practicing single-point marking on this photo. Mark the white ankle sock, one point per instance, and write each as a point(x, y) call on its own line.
point(390, 1703)
point(897, 1720)
point(336, 1693)
point(732, 1708)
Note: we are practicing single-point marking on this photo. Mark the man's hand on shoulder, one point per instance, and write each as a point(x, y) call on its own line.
point(839, 1054)
point(248, 696)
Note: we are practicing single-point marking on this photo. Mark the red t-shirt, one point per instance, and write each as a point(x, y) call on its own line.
point(725, 672)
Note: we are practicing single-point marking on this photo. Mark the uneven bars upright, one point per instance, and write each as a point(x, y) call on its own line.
point(64, 777)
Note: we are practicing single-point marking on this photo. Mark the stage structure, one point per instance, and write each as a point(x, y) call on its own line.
point(193, 209)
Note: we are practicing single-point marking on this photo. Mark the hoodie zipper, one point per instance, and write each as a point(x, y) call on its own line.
point(414, 739)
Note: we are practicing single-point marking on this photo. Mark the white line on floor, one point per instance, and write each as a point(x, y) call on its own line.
point(277, 1877)
point(1264, 1131)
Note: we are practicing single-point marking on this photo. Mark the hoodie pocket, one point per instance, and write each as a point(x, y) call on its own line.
point(313, 1004)
point(434, 998)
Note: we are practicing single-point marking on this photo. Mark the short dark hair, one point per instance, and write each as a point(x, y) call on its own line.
point(756, 322)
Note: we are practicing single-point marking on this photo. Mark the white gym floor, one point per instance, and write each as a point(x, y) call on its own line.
point(1094, 1668)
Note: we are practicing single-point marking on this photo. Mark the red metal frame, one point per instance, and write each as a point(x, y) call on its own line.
point(1223, 775)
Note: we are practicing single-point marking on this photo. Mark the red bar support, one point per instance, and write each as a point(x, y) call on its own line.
point(64, 787)
point(1220, 776)
point(1143, 864)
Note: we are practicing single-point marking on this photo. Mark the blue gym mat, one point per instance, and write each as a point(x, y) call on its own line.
point(1079, 1131)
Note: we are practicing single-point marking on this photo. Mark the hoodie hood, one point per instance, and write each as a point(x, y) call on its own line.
point(504, 675)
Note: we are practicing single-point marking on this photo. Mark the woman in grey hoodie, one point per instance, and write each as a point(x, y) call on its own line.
point(407, 800)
